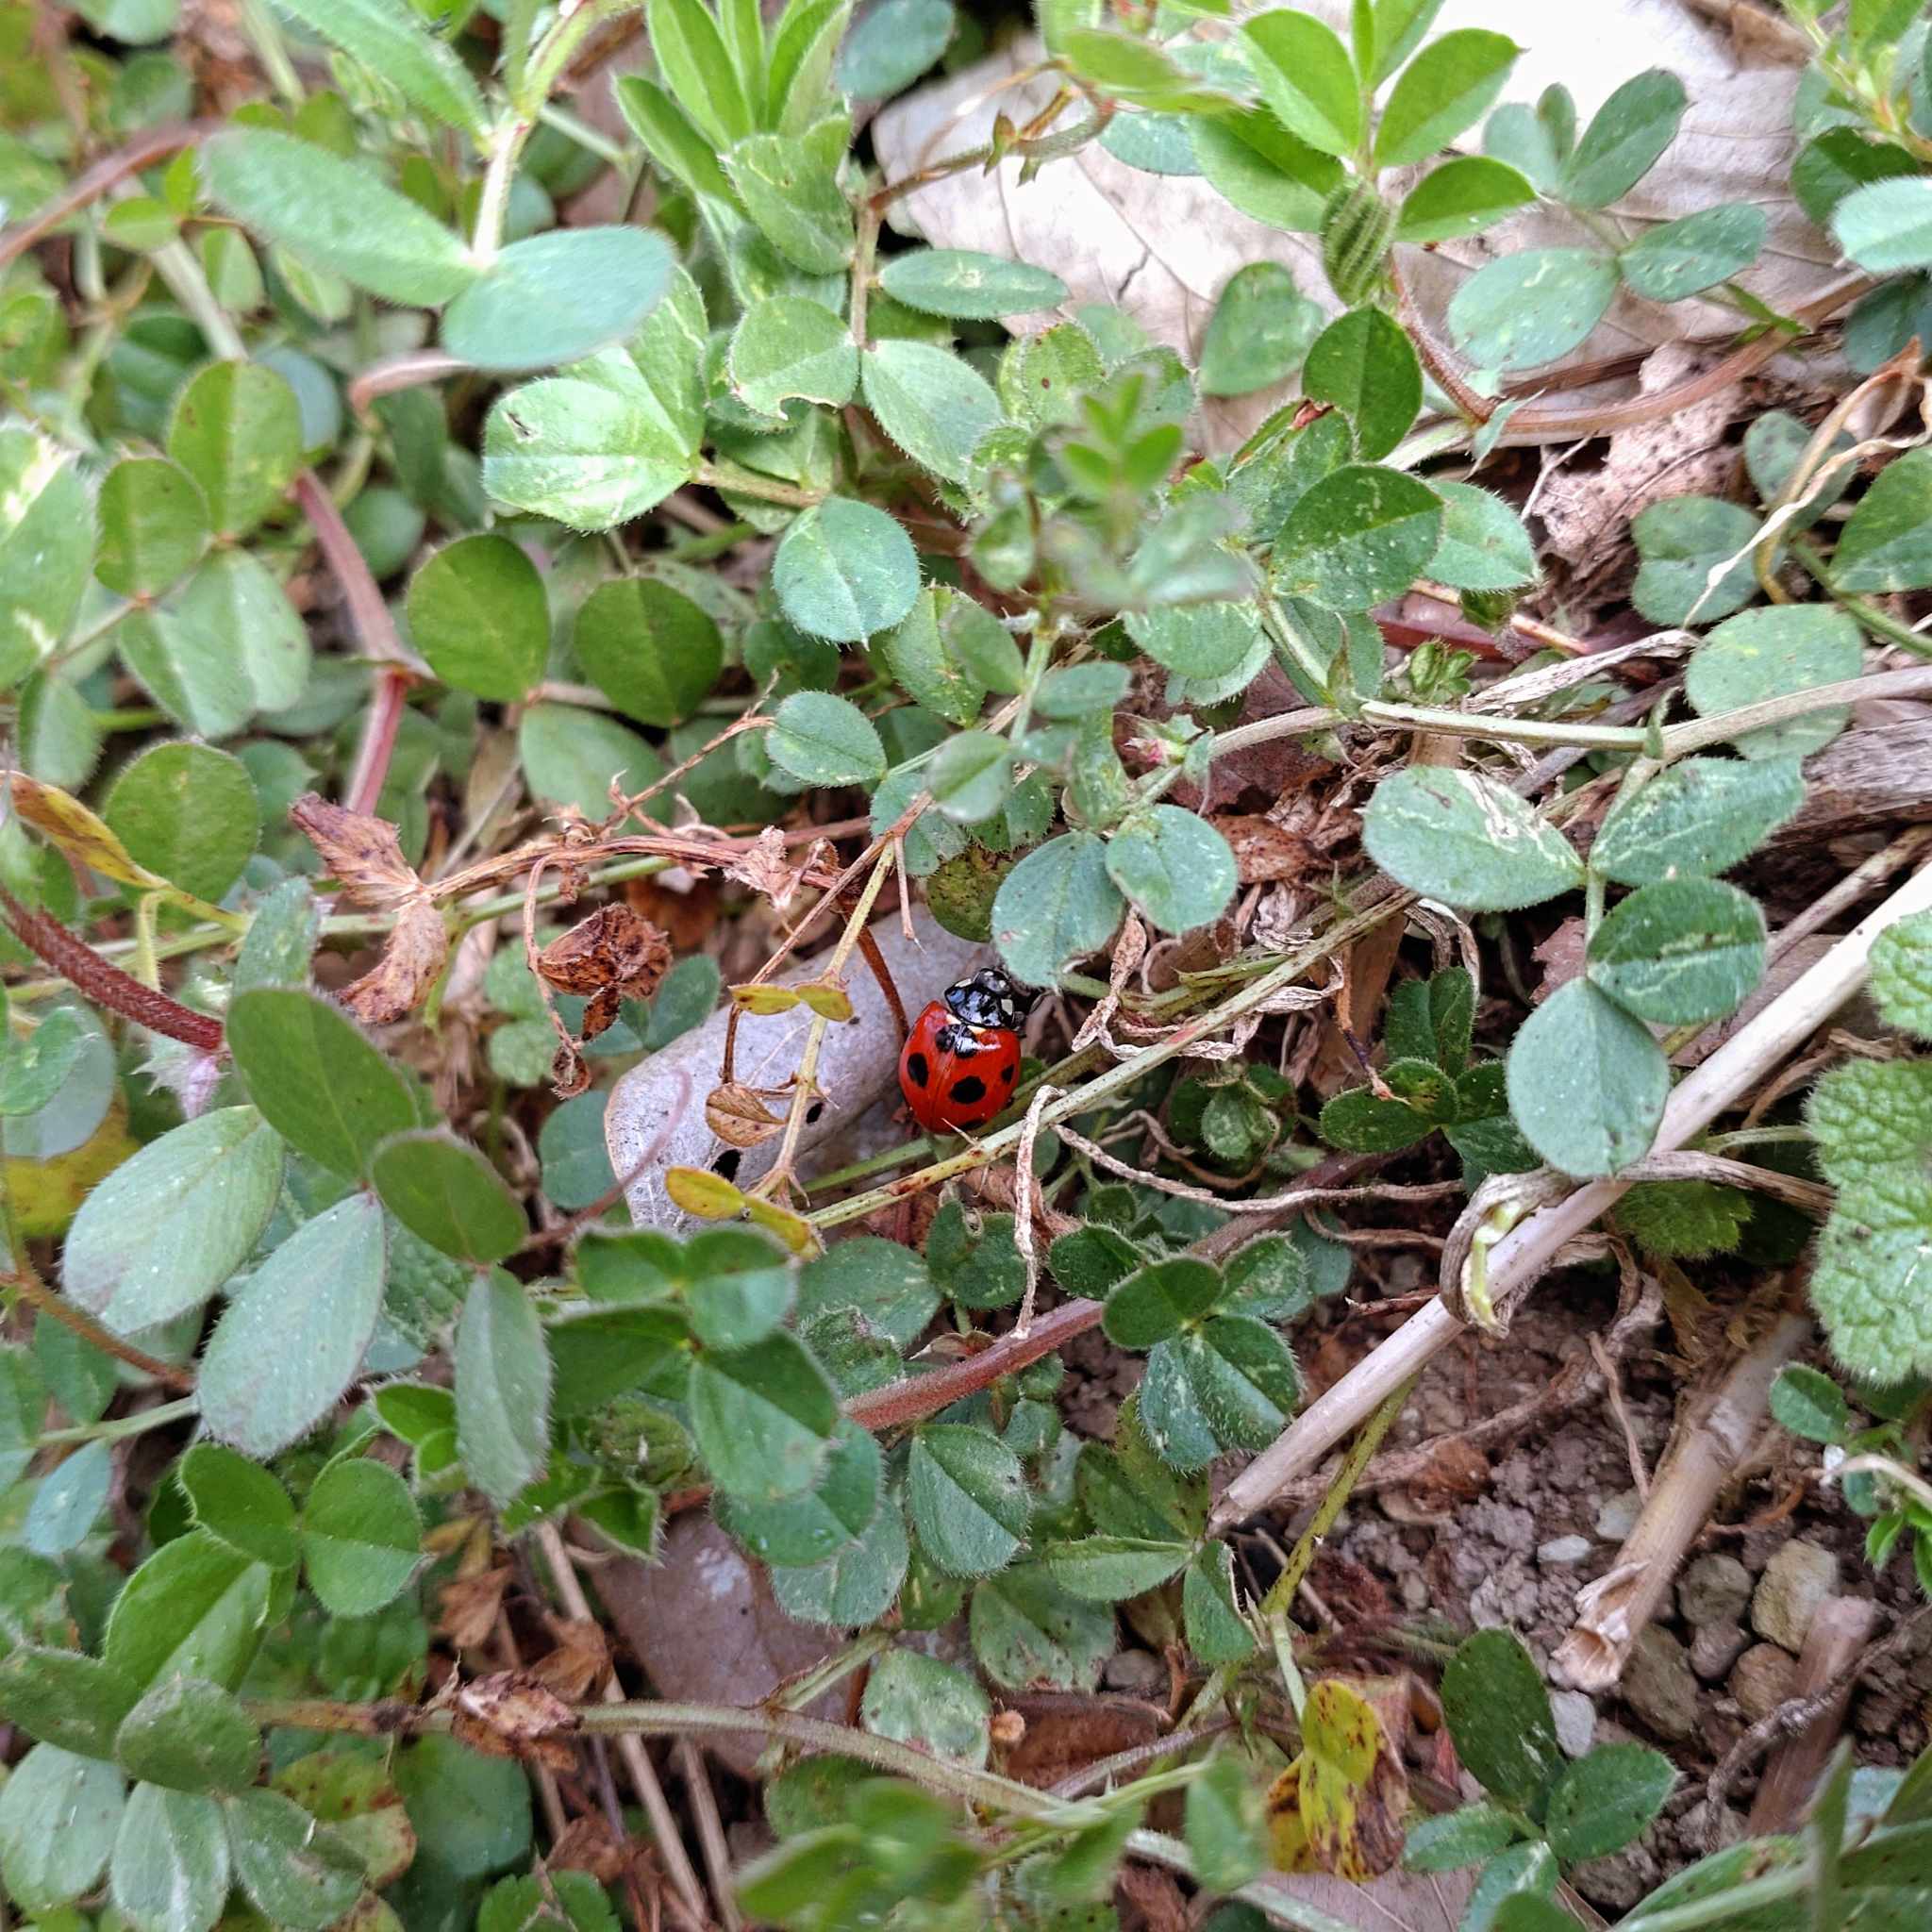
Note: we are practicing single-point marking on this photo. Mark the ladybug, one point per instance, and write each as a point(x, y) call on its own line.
point(962, 1057)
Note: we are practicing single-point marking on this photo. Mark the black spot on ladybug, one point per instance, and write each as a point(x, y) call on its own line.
point(1007, 1074)
point(726, 1163)
point(916, 1068)
point(969, 1089)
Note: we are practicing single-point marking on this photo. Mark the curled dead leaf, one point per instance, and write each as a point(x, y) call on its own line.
point(471, 1605)
point(361, 852)
point(568, 1073)
point(511, 1714)
point(1263, 851)
point(412, 957)
point(769, 868)
point(738, 1116)
point(580, 1661)
point(613, 955)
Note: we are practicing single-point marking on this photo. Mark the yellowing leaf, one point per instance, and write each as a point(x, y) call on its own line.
point(1339, 1807)
point(709, 1196)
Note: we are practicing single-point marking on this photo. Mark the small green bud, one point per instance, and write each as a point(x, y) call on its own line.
point(1358, 226)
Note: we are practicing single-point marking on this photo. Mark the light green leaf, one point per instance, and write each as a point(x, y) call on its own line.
point(390, 38)
point(1215, 1631)
point(1902, 974)
point(648, 648)
point(317, 1082)
point(361, 1536)
point(46, 548)
point(68, 1500)
point(290, 1343)
point(1229, 1384)
point(1159, 1300)
point(825, 741)
point(1623, 140)
point(1224, 1823)
point(240, 1503)
point(764, 1417)
point(798, 91)
point(335, 215)
point(1485, 546)
point(167, 1228)
point(934, 405)
point(1461, 837)
point(856, 1586)
point(1700, 817)
point(1586, 1083)
point(555, 297)
point(1887, 545)
point(1532, 307)
point(1767, 654)
point(1364, 364)
point(968, 1496)
point(917, 654)
point(58, 1815)
point(1259, 332)
point(170, 1871)
point(971, 776)
point(1267, 173)
point(1465, 195)
point(239, 645)
point(572, 756)
point(1454, 1839)
point(191, 1736)
point(1174, 866)
point(1887, 224)
point(1447, 88)
point(1057, 906)
point(1204, 641)
point(154, 525)
point(195, 1609)
point(893, 44)
point(188, 812)
point(503, 1377)
point(1680, 953)
point(237, 431)
point(788, 346)
point(888, 1284)
point(1688, 256)
point(1027, 1631)
point(1105, 1569)
point(1361, 535)
point(691, 56)
point(588, 455)
point(446, 1193)
point(478, 613)
point(918, 1700)
point(966, 285)
point(844, 570)
point(1307, 78)
point(298, 1872)
point(791, 190)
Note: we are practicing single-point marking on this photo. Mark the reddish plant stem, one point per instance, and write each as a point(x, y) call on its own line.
point(111, 170)
point(106, 984)
point(376, 632)
point(401, 371)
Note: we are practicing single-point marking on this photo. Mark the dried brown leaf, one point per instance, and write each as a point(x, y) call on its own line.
point(738, 1116)
point(580, 1661)
point(412, 955)
point(1263, 851)
point(360, 850)
point(510, 1714)
point(615, 949)
point(769, 868)
point(470, 1607)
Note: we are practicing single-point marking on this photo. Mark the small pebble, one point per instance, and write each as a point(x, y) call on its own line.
point(1575, 1718)
point(1563, 1549)
point(1659, 1687)
point(1617, 1517)
point(1761, 1680)
point(1796, 1580)
point(1619, 1880)
point(1713, 1590)
point(1138, 1672)
point(1715, 1647)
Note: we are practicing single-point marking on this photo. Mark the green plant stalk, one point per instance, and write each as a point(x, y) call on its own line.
point(749, 483)
point(1123, 1074)
point(136, 1424)
point(265, 35)
point(1868, 615)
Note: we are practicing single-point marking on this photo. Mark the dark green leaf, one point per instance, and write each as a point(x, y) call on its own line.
point(472, 1813)
point(1160, 1300)
point(1105, 1569)
point(1230, 1384)
point(154, 525)
point(968, 1495)
point(790, 190)
point(1455, 1839)
point(1682, 541)
point(1364, 364)
point(1465, 195)
point(1607, 1799)
point(812, 1528)
point(1027, 1631)
point(1269, 174)
point(361, 1536)
point(1307, 78)
point(1485, 546)
point(1834, 163)
point(478, 613)
point(318, 1083)
point(193, 1609)
point(1809, 1404)
point(1361, 535)
point(572, 757)
point(825, 741)
point(764, 1417)
point(240, 1503)
point(188, 812)
point(788, 346)
point(444, 1193)
point(503, 1377)
point(237, 431)
point(1259, 332)
point(1447, 88)
point(1885, 547)
point(65, 1699)
point(1499, 1716)
point(1216, 1633)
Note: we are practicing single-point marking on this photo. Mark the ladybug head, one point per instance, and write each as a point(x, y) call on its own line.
point(986, 998)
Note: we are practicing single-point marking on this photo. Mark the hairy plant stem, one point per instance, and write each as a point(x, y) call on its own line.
point(154, 145)
point(139, 1423)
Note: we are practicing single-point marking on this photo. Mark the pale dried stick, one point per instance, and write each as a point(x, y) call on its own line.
point(703, 1803)
point(1523, 1254)
point(1840, 1631)
point(629, 1745)
point(1707, 1447)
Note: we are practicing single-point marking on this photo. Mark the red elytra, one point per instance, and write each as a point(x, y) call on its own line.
point(961, 1060)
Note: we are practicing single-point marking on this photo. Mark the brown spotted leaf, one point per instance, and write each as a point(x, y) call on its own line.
point(738, 1116)
point(360, 850)
point(1339, 1808)
point(413, 956)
